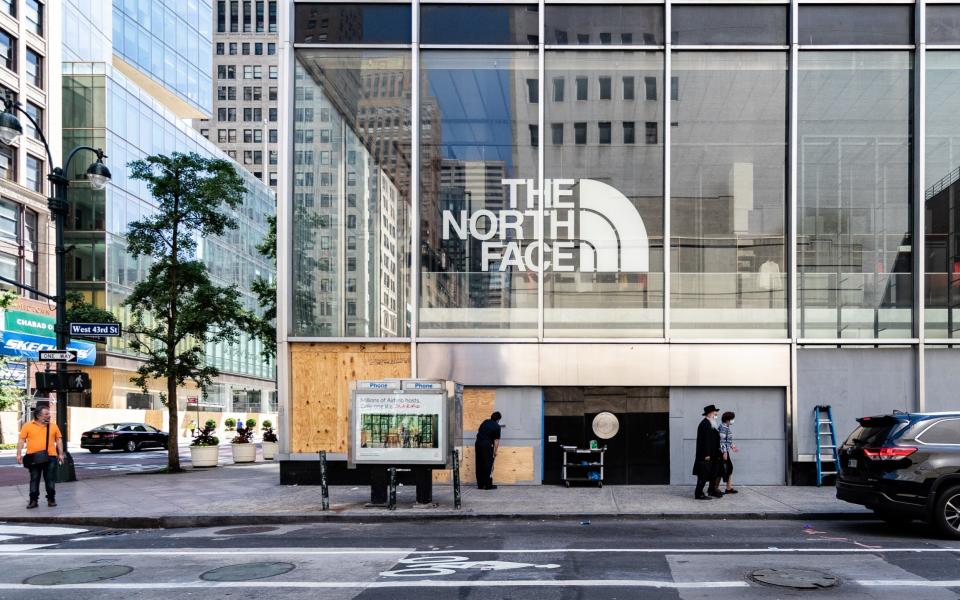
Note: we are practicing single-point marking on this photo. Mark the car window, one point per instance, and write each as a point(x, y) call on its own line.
point(946, 431)
point(139, 428)
point(109, 427)
point(869, 436)
point(124, 428)
point(152, 429)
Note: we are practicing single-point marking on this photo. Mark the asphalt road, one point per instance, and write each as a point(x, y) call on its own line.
point(553, 559)
point(103, 464)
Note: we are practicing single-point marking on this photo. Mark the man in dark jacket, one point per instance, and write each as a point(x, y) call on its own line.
point(708, 454)
point(486, 446)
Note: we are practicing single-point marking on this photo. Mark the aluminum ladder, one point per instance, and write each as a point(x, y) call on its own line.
point(826, 441)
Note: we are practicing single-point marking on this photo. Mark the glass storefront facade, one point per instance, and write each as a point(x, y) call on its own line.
point(651, 171)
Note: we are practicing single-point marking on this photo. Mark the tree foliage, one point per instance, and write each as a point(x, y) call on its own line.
point(265, 327)
point(81, 311)
point(176, 310)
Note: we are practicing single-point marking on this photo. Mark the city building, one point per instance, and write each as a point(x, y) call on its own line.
point(243, 120)
point(641, 209)
point(132, 86)
point(29, 75)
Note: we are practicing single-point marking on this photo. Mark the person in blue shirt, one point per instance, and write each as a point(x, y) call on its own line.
point(486, 447)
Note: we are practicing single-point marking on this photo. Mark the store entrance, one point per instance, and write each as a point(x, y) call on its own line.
point(638, 454)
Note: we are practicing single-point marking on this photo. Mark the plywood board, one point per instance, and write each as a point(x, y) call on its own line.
point(320, 388)
point(514, 464)
point(155, 418)
point(478, 405)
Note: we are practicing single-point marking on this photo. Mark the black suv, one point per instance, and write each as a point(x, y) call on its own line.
point(905, 466)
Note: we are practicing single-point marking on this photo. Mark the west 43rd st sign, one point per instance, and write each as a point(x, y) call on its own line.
point(96, 329)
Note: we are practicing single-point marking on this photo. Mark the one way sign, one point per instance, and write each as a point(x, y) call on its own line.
point(67, 356)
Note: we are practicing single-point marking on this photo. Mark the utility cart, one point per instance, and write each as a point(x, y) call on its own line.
point(583, 464)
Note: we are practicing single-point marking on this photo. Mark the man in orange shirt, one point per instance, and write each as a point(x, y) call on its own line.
point(40, 435)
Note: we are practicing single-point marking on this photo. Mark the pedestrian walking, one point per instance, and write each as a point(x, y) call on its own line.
point(43, 442)
point(486, 447)
point(193, 428)
point(708, 455)
point(727, 447)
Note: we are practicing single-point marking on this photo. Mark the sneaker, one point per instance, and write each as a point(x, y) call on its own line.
point(33, 504)
point(716, 493)
point(51, 503)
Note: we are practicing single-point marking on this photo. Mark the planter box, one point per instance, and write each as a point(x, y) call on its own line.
point(204, 456)
point(244, 453)
point(269, 450)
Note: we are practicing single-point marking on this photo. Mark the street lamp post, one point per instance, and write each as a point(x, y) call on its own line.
point(98, 175)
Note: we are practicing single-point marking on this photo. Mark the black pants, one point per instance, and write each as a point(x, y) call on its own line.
point(48, 472)
point(706, 474)
point(484, 453)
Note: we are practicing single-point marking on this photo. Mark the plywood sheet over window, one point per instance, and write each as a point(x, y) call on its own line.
point(320, 388)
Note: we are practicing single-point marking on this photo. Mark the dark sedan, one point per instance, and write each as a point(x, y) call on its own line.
point(128, 437)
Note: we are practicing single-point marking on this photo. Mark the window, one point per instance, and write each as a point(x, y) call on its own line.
point(251, 93)
point(233, 48)
point(579, 133)
point(234, 16)
point(8, 163)
point(478, 24)
point(34, 69)
point(533, 90)
point(860, 24)
point(9, 7)
point(534, 135)
point(273, 16)
point(9, 220)
point(258, 48)
point(221, 136)
point(605, 88)
point(629, 133)
point(272, 138)
point(226, 71)
point(651, 132)
point(8, 50)
point(558, 89)
point(272, 94)
point(273, 71)
point(631, 20)
point(650, 87)
point(252, 115)
point(271, 48)
point(556, 133)
point(221, 16)
point(260, 17)
point(220, 49)
point(582, 86)
point(583, 39)
point(946, 431)
point(34, 174)
point(604, 127)
point(272, 115)
point(33, 15)
point(719, 25)
point(232, 136)
point(245, 48)
point(37, 113)
point(273, 178)
point(247, 16)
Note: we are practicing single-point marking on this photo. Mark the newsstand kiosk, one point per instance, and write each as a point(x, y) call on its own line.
point(408, 425)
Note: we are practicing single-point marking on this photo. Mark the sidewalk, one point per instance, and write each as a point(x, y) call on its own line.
point(251, 494)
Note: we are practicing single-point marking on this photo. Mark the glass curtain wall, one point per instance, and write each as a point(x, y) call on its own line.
point(854, 248)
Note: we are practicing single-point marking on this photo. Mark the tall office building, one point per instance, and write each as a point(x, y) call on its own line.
point(243, 119)
point(131, 86)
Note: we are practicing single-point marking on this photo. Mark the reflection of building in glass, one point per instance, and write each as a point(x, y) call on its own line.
point(399, 431)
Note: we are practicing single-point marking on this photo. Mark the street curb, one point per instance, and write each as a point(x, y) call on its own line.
point(214, 520)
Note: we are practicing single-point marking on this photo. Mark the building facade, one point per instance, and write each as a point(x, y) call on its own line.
point(132, 87)
point(244, 119)
point(640, 209)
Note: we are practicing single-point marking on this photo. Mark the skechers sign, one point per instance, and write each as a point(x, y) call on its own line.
point(593, 228)
point(28, 346)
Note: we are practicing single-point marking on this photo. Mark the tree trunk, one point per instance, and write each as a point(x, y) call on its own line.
point(173, 441)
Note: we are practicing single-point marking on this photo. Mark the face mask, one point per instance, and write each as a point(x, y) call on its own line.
point(732, 421)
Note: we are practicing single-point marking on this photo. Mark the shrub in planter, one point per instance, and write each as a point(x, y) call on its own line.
point(205, 448)
point(243, 449)
point(251, 423)
point(269, 441)
point(229, 423)
point(267, 424)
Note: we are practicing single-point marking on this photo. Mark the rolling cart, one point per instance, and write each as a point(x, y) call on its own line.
point(583, 464)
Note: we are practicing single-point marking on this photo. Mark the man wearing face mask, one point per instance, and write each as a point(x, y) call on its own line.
point(708, 455)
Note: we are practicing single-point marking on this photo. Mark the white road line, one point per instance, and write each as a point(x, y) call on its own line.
point(39, 530)
point(21, 548)
point(638, 583)
point(403, 551)
point(4, 538)
point(949, 583)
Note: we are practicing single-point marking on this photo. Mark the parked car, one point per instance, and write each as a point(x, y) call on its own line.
point(905, 466)
point(128, 437)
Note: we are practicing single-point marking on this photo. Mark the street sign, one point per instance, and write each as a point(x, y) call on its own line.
point(57, 355)
point(96, 329)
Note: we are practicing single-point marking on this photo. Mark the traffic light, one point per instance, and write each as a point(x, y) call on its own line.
point(73, 381)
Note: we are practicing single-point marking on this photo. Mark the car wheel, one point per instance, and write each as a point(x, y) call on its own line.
point(95, 450)
point(130, 446)
point(946, 513)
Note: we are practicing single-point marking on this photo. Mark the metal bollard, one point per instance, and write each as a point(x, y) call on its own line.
point(456, 478)
point(392, 493)
point(324, 489)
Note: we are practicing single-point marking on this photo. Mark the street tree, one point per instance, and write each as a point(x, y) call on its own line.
point(265, 327)
point(81, 311)
point(176, 310)
point(11, 395)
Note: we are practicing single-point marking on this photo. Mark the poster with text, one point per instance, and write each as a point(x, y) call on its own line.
point(399, 428)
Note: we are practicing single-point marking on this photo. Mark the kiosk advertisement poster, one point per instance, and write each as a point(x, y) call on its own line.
point(403, 428)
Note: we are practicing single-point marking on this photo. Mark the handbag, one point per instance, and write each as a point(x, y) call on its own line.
point(38, 459)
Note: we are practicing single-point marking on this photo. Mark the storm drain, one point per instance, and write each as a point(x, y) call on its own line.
point(247, 571)
point(109, 532)
point(246, 530)
point(80, 575)
point(798, 579)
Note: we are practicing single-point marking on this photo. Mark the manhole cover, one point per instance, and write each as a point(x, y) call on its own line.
point(109, 532)
point(246, 530)
point(798, 579)
point(258, 570)
point(80, 575)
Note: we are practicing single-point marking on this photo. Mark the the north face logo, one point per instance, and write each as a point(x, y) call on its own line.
point(588, 226)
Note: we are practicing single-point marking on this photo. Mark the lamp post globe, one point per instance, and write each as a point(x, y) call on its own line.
point(10, 127)
point(98, 175)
